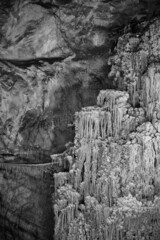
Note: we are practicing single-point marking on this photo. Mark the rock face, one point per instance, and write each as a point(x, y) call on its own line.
point(41, 86)
point(36, 107)
point(112, 188)
point(24, 213)
point(53, 62)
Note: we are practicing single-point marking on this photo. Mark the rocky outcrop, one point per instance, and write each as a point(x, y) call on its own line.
point(112, 189)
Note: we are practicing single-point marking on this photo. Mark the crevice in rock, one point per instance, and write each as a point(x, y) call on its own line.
point(24, 63)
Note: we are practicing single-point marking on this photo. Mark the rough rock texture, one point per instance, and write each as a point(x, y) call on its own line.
point(36, 29)
point(41, 86)
point(53, 62)
point(112, 189)
point(37, 108)
point(24, 213)
point(37, 104)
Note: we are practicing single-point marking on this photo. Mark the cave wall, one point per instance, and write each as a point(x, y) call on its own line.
point(36, 110)
point(48, 70)
point(25, 203)
point(53, 62)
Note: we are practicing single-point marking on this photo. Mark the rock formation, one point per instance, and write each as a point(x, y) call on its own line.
point(53, 62)
point(55, 57)
point(112, 188)
point(24, 213)
point(44, 80)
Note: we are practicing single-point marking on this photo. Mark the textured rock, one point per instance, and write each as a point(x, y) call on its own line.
point(57, 28)
point(53, 62)
point(43, 79)
point(24, 213)
point(112, 189)
point(37, 104)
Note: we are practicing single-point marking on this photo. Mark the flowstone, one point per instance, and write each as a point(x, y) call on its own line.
point(111, 191)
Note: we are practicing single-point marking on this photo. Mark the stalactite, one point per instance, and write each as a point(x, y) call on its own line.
point(109, 98)
point(65, 218)
point(133, 88)
point(77, 179)
point(98, 189)
point(96, 122)
point(151, 91)
point(94, 165)
point(99, 214)
point(73, 197)
point(132, 157)
point(109, 125)
point(117, 121)
point(143, 60)
point(87, 171)
point(97, 176)
point(56, 211)
point(99, 123)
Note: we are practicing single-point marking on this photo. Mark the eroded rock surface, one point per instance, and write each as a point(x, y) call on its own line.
point(24, 192)
point(112, 189)
point(53, 61)
point(45, 75)
point(37, 104)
